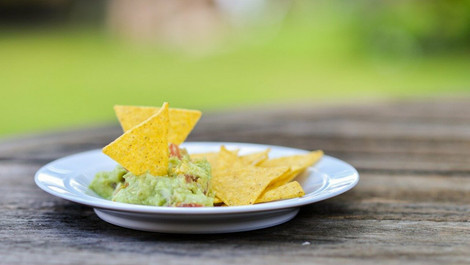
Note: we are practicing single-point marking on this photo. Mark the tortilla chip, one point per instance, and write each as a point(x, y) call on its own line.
point(236, 185)
point(256, 158)
point(211, 157)
point(217, 200)
point(298, 164)
point(182, 121)
point(229, 155)
point(284, 179)
point(144, 148)
point(226, 159)
point(131, 116)
point(286, 191)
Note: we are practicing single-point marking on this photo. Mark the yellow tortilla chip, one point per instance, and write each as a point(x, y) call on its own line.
point(182, 121)
point(131, 116)
point(294, 161)
point(237, 180)
point(243, 185)
point(217, 200)
point(297, 163)
point(285, 179)
point(226, 159)
point(256, 158)
point(144, 148)
point(286, 191)
point(211, 157)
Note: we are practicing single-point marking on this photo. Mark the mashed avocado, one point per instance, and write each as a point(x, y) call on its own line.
point(187, 184)
point(105, 183)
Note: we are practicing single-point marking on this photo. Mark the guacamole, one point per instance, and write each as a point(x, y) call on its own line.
point(186, 185)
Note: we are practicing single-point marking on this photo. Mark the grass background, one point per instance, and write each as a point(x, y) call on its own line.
point(71, 76)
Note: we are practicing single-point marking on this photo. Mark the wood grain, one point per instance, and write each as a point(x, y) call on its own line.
point(411, 206)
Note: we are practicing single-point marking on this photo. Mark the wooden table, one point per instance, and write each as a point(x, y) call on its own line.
point(411, 206)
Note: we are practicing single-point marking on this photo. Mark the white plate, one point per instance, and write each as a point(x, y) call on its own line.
point(69, 178)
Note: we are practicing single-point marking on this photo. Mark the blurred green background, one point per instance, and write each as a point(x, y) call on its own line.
point(66, 63)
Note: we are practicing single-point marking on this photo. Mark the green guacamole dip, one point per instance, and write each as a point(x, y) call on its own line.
point(186, 185)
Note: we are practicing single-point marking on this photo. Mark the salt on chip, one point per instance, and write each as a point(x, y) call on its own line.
point(182, 121)
point(286, 191)
point(243, 185)
point(144, 148)
point(297, 163)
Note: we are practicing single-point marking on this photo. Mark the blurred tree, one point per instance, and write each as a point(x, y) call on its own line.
point(191, 24)
point(177, 22)
point(38, 13)
point(412, 27)
point(386, 27)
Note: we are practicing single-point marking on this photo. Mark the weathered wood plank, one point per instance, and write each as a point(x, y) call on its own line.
point(411, 206)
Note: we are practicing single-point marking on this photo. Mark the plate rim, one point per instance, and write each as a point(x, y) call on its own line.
point(102, 203)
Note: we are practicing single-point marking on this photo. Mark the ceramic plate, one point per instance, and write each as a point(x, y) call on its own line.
point(69, 178)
